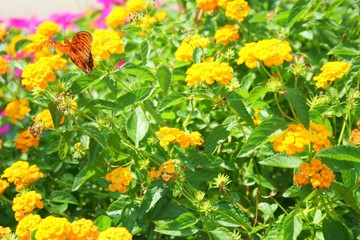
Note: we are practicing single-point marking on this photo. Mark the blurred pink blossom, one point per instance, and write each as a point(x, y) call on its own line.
point(4, 129)
point(18, 72)
point(66, 20)
point(22, 23)
point(122, 62)
point(109, 2)
point(99, 22)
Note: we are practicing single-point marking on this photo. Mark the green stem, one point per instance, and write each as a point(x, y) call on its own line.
point(281, 111)
point(343, 129)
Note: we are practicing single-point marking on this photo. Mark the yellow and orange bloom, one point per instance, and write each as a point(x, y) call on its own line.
point(55, 228)
point(17, 109)
point(115, 233)
point(84, 229)
point(26, 203)
point(293, 140)
point(209, 72)
point(3, 186)
point(166, 171)
point(135, 5)
point(272, 52)
point(106, 42)
point(5, 233)
point(319, 136)
point(318, 174)
point(4, 66)
point(169, 135)
point(237, 10)
point(27, 225)
point(117, 16)
point(46, 118)
point(355, 136)
point(226, 34)
point(330, 72)
point(22, 174)
point(120, 178)
point(25, 140)
point(186, 49)
point(207, 5)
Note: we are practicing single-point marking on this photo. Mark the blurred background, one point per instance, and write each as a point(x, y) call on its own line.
point(42, 8)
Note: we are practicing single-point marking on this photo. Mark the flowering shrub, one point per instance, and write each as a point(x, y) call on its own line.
point(201, 119)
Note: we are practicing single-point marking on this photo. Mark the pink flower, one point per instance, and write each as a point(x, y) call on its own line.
point(22, 23)
point(18, 72)
point(4, 129)
point(66, 20)
point(99, 22)
point(109, 2)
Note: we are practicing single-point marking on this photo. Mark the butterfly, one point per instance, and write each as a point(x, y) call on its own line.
point(78, 49)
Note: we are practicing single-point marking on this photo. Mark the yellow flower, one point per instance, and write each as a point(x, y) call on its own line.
point(223, 3)
point(168, 135)
point(54, 228)
point(184, 52)
point(38, 74)
point(3, 35)
point(270, 51)
point(11, 46)
point(208, 72)
point(27, 225)
point(21, 174)
point(3, 186)
point(166, 171)
point(37, 46)
point(17, 109)
point(84, 229)
point(4, 66)
point(331, 71)
point(226, 34)
point(319, 136)
point(207, 5)
point(25, 204)
point(135, 5)
point(293, 140)
point(318, 174)
point(120, 178)
point(1, 144)
point(106, 42)
point(196, 41)
point(46, 118)
point(161, 15)
point(25, 140)
point(48, 28)
point(146, 21)
point(355, 137)
point(115, 233)
point(117, 17)
point(5, 233)
point(237, 10)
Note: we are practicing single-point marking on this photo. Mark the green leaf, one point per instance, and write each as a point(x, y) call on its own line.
point(334, 229)
point(216, 137)
point(20, 44)
point(163, 75)
point(350, 197)
point(268, 210)
point(64, 144)
point(111, 83)
point(59, 196)
point(144, 49)
point(260, 135)
point(172, 99)
point(84, 81)
point(181, 226)
point(81, 178)
point(129, 215)
point(99, 103)
point(235, 101)
point(94, 133)
point(156, 190)
point(222, 233)
point(137, 70)
point(291, 192)
point(116, 208)
point(298, 12)
point(257, 93)
point(56, 115)
point(137, 125)
point(344, 50)
point(230, 218)
point(103, 222)
point(282, 160)
point(292, 226)
point(341, 153)
point(135, 96)
point(197, 55)
point(296, 98)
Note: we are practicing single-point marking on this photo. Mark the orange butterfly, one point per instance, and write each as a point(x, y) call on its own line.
point(78, 49)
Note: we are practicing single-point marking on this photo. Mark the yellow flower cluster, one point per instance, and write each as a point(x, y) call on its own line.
point(22, 174)
point(3, 185)
point(318, 174)
point(106, 42)
point(270, 51)
point(297, 137)
point(331, 71)
point(5, 233)
point(25, 204)
point(115, 233)
point(207, 5)
point(40, 37)
point(4, 66)
point(355, 137)
point(208, 72)
point(168, 135)
point(120, 178)
point(84, 229)
point(11, 46)
point(38, 74)
point(2, 34)
point(27, 225)
point(166, 171)
point(17, 109)
point(237, 9)
point(186, 49)
point(46, 119)
point(25, 140)
point(135, 5)
point(54, 228)
point(117, 16)
point(226, 34)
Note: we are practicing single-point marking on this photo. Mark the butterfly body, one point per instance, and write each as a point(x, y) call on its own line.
point(78, 49)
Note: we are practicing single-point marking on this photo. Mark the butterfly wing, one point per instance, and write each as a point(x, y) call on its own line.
point(80, 52)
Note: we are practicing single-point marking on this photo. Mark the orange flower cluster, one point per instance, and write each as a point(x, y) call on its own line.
point(27, 225)
point(22, 174)
point(272, 52)
point(297, 137)
point(187, 46)
point(226, 34)
point(54, 228)
point(166, 171)
point(209, 72)
point(115, 233)
point(25, 204)
point(17, 109)
point(120, 178)
point(318, 174)
point(234, 9)
point(355, 137)
point(4, 66)
point(330, 72)
point(25, 140)
point(184, 139)
point(3, 185)
point(84, 229)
